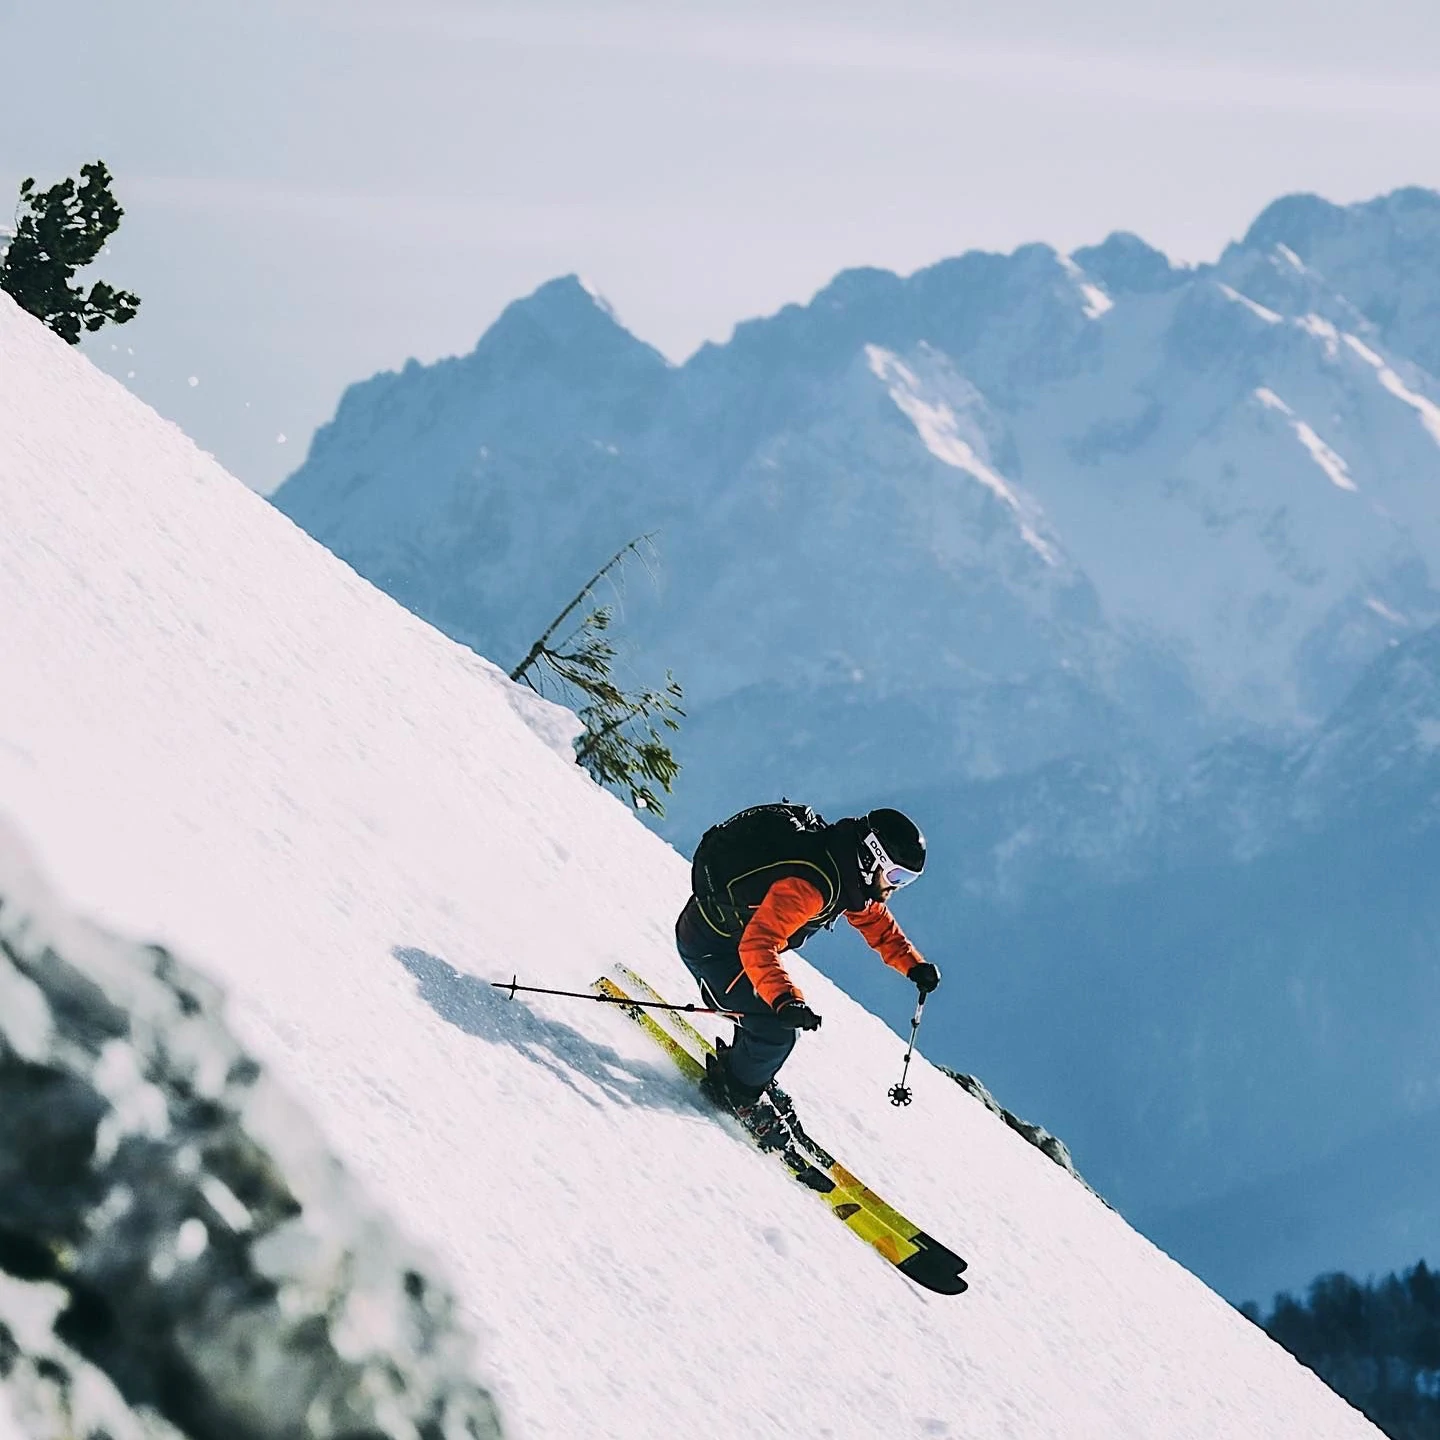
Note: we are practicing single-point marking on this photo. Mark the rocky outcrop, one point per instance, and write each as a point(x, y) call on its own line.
point(47, 1390)
point(174, 1231)
point(1037, 1135)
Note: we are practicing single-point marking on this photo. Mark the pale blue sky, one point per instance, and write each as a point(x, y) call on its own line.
point(317, 189)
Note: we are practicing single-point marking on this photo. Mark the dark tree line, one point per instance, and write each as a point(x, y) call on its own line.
point(1377, 1344)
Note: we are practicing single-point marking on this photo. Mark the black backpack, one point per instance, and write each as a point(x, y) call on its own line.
point(754, 837)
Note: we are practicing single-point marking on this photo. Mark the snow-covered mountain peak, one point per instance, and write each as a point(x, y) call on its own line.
point(1382, 255)
point(566, 308)
point(858, 288)
point(1301, 222)
point(1125, 265)
point(563, 330)
point(948, 304)
point(859, 304)
point(1309, 225)
point(1032, 287)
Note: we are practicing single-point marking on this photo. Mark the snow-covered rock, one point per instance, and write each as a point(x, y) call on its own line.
point(1037, 1135)
point(175, 1227)
point(48, 1391)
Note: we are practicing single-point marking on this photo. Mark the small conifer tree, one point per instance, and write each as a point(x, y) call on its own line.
point(624, 744)
point(57, 232)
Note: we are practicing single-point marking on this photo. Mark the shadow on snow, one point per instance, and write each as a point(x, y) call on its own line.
point(477, 1008)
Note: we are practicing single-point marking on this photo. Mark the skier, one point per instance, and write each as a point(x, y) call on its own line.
point(763, 882)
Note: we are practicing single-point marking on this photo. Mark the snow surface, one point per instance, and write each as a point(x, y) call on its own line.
point(216, 735)
point(1097, 302)
point(1254, 307)
point(1425, 408)
point(1332, 464)
point(937, 425)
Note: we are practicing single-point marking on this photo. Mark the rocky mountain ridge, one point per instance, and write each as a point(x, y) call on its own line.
point(1029, 503)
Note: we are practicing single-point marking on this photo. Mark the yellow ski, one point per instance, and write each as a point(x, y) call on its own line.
point(879, 1224)
point(694, 1040)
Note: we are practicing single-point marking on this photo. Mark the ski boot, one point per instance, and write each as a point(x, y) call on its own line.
point(785, 1108)
point(724, 1089)
point(762, 1120)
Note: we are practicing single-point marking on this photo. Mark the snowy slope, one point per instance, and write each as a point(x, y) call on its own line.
point(219, 736)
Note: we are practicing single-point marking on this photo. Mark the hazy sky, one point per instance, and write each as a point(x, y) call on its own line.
point(318, 189)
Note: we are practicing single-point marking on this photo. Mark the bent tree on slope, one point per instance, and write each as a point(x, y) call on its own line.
point(57, 232)
point(624, 745)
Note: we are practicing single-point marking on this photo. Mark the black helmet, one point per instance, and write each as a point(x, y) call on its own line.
point(899, 839)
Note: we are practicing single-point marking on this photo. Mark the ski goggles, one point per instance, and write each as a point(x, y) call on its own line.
point(885, 868)
point(898, 876)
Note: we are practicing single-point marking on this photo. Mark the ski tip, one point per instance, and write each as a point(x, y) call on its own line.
point(942, 1277)
point(938, 1255)
point(947, 1283)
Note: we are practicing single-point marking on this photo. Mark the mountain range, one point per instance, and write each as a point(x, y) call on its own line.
point(1119, 574)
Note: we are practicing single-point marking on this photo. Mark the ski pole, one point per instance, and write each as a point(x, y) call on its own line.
point(901, 1094)
point(513, 984)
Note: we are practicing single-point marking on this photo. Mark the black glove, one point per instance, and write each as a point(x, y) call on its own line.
point(925, 977)
point(797, 1015)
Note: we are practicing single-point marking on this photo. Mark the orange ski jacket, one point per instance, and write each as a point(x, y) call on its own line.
point(789, 905)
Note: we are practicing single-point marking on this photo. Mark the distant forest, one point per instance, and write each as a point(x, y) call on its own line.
point(1377, 1344)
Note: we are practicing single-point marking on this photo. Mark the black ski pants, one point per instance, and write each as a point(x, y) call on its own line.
point(762, 1044)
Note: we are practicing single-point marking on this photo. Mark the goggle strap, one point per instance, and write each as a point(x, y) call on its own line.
point(878, 853)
